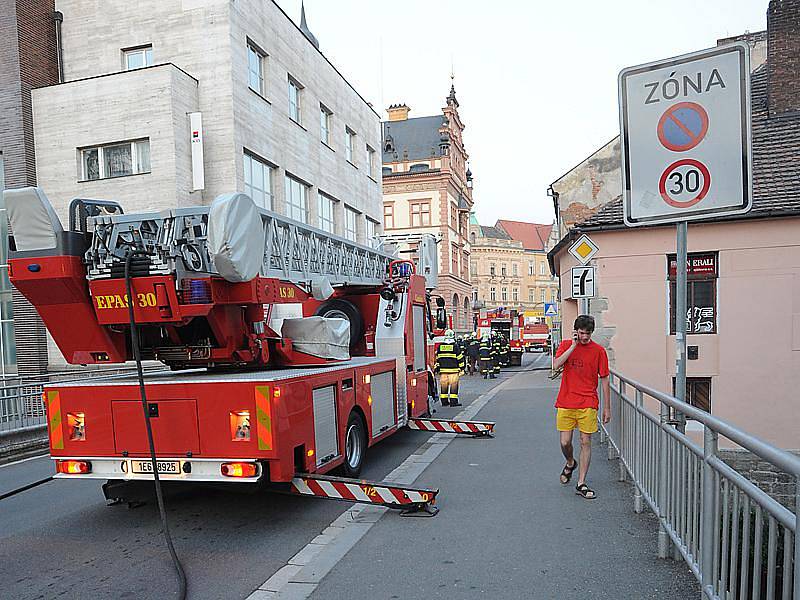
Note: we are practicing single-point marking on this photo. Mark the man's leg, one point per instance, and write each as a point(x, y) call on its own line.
point(566, 446)
point(586, 456)
point(444, 389)
point(454, 390)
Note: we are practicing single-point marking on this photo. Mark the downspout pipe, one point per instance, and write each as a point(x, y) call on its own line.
point(58, 17)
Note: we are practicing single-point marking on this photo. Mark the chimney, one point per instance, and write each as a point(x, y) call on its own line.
point(783, 57)
point(398, 112)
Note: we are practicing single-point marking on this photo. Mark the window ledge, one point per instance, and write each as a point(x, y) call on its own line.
point(298, 124)
point(324, 143)
point(352, 164)
point(260, 95)
point(372, 178)
point(117, 177)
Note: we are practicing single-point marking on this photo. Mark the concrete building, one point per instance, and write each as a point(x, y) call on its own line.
point(28, 59)
point(279, 122)
point(743, 318)
point(427, 188)
point(509, 267)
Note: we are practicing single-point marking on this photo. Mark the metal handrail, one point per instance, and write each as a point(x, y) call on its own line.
point(718, 521)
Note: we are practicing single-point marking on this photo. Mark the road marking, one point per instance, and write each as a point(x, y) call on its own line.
point(299, 578)
point(11, 464)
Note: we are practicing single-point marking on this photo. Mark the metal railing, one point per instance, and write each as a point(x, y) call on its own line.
point(21, 403)
point(738, 541)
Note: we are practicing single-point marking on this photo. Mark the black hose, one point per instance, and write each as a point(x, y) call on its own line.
point(159, 494)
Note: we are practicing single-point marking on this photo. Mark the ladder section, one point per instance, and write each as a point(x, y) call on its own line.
point(177, 243)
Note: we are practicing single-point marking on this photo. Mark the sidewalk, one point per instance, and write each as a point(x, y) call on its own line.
point(508, 528)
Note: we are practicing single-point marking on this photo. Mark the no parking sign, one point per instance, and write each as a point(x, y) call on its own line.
point(685, 131)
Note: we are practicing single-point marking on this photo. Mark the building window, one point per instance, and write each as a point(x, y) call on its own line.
point(515, 294)
point(542, 268)
point(543, 296)
point(492, 295)
point(388, 216)
point(258, 181)
point(372, 229)
point(325, 117)
point(454, 260)
point(504, 294)
point(531, 295)
point(701, 293)
point(294, 100)
point(350, 224)
point(420, 214)
point(349, 143)
point(371, 162)
point(531, 268)
point(553, 295)
point(454, 217)
point(492, 270)
point(115, 160)
point(698, 392)
point(473, 269)
point(8, 355)
point(255, 69)
point(503, 270)
point(325, 210)
point(296, 199)
point(474, 297)
point(136, 58)
point(514, 269)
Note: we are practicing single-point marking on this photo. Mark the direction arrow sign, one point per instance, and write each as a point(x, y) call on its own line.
point(685, 124)
point(583, 282)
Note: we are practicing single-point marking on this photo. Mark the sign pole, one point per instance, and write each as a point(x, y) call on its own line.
point(680, 319)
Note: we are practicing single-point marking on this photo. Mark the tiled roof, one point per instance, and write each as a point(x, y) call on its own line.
point(419, 137)
point(776, 165)
point(532, 235)
point(494, 232)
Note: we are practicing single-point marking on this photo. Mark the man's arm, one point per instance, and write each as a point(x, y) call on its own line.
point(604, 381)
point(560, 360)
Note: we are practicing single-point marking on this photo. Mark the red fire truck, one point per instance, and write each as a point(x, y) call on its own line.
point(536, 336)
point(291, 351)
point(509, 326)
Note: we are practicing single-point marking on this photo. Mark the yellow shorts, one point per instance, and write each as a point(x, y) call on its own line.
point(584, 419)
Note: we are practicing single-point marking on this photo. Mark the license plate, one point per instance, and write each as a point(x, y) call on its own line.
point(167, 467)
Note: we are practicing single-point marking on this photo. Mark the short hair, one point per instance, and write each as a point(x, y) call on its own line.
point(584, 322)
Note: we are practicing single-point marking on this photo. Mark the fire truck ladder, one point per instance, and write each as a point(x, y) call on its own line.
point(177, 242)
point(471, 428)
point(410, 501)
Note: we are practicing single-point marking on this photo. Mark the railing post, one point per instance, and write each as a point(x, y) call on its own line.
point(796, 536)
point(708, 512)
point(663, 537)
point(637, 454)
point(621, 435)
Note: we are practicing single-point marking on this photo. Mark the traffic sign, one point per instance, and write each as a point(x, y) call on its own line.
point(584, 249)
point(550, 309)
point(583, 282)
point(685, 134)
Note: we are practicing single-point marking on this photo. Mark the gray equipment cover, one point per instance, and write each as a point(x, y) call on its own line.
point(236, 237)
point(319, 336)
point(34, 223)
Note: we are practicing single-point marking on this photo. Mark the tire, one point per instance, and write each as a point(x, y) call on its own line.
point(355, 445)
point(342, 309)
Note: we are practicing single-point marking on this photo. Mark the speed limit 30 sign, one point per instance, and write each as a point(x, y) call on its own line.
point(685, 124)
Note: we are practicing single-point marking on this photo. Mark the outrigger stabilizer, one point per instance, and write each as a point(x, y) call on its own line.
point(471, 428)
point(410, 501)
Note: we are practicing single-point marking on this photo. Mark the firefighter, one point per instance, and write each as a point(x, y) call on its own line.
point(497, 349)
point(449, 363)
point(485, 350)
point(473, 352)
point(505, 354)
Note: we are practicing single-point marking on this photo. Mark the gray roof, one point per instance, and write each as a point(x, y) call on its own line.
point(776, 166)
point(494, 232)
point(419, 137)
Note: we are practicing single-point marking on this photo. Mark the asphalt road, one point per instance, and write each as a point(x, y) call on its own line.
point(60, 540)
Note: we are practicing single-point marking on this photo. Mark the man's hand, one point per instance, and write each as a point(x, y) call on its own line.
point(606, 415)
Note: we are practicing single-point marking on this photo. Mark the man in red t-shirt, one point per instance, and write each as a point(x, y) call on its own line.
point(584, 363)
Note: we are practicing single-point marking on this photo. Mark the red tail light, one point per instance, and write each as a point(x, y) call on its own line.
point(238, 469)
point(73, 467)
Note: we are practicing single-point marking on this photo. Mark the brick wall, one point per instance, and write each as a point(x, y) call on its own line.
point(783, 51)
point(779, 485)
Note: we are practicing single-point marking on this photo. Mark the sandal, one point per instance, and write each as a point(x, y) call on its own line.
point(566, 473)
point(583, 490)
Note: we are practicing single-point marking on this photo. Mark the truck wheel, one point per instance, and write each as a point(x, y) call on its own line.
point(342, 309)
point(355, 445)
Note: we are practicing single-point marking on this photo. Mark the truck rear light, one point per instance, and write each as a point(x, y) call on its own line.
point(276, 393)
point(240, 425)
point(196, 291)
point(238, 469)
point(76, 427)
point(367, 378)
point(73, 467)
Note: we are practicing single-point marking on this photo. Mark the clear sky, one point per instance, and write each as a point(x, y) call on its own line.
point(536, 80)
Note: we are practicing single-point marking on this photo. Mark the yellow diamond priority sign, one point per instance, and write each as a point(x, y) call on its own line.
point(584, 249)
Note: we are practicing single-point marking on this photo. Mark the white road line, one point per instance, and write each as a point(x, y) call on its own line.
point(11, 464)
point(299, 578)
